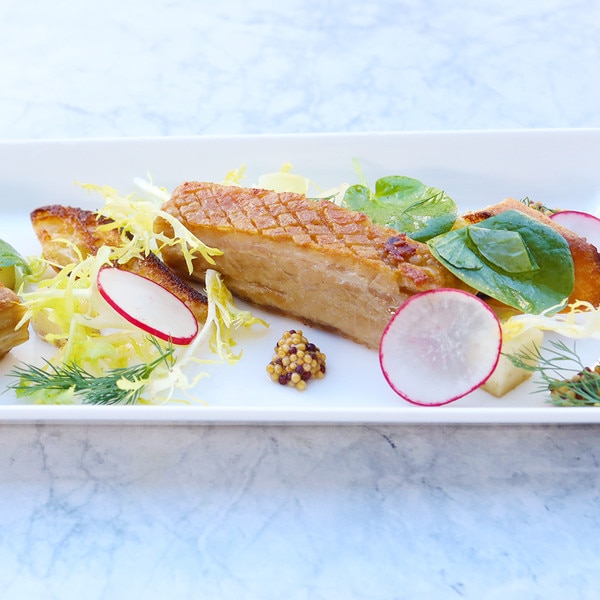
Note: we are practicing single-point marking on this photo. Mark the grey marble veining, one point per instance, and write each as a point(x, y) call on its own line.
point(269, 512)
point(260, 512)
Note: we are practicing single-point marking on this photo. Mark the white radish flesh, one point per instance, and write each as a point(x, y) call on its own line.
point(439, 346)
point(147, 305)
point(582, 223)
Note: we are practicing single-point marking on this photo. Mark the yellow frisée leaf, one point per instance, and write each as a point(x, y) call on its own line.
point(225, 316)
point(58, 300)
point(134, 218)
point(38, 269)
point(190, 245)
point(580, 320)
point(131, 385)
point(235, 176)
point(52, 396)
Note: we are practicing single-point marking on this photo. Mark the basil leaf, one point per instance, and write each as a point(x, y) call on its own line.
point(547, 284)
point(9, 257)
point(505, 249)
point(406, 205)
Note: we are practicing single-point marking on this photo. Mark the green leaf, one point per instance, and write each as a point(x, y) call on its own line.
point(505, 249)
point(9, 257)
point(453, 249)
point(406, 205)
point(533, 277)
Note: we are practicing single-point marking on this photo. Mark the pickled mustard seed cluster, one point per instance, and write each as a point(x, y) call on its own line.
point(296, 361)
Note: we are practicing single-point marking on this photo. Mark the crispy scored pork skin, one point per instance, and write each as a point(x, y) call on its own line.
point(315, 261)
point(55, 224)
point(586, 259)
point(11, 312)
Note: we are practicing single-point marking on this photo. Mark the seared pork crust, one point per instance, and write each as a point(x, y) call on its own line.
point(311, 260)
point(586, 258)
point(62, 228)
point(11, 312)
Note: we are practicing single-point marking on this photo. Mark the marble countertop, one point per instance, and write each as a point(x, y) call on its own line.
point(297, 512)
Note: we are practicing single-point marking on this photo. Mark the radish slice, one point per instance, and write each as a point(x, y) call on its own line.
point(147, 305)
point(439, 346)
point(582, 223)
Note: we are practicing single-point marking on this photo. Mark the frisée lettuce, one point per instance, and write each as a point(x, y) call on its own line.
point(99, 357)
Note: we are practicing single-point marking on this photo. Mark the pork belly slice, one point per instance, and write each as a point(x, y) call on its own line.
point(56, 223)
point(11, 313)
point(311, 260)
point(586, 259)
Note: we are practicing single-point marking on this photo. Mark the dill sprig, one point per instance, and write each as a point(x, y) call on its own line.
point(539, 206)
point(569, 381)
point(122, 385)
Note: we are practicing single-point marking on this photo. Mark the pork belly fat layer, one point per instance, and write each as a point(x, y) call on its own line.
point(315, 261)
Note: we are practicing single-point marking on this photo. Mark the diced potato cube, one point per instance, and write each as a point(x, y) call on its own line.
point(507, 376)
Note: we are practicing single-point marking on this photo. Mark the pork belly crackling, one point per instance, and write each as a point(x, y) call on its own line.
point(311, 260)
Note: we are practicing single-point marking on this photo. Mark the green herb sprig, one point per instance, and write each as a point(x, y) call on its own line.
point(404, 204)
point(117, 386)
point(539, 206)
point(569, 381)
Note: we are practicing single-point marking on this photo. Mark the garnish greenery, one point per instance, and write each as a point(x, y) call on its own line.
point(101, 358)
point(100, 350)
point(225, 317)
point(14, 269)
point(69, 383)
point(563, 374)
point(404, 204)
point(539, 206)
point(9, 257)
point(512, 258)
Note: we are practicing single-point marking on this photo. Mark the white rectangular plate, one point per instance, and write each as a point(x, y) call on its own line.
point(557, 167)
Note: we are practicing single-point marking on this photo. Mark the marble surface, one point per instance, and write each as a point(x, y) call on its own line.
point(368, 512)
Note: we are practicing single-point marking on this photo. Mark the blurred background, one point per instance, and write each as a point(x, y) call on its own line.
point(187, 67)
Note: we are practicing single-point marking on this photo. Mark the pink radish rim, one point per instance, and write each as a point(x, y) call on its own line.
point(458, 396)
point(580, 213)
point(178, 340)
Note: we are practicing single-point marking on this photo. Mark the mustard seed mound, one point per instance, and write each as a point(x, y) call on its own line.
point(296, 361)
